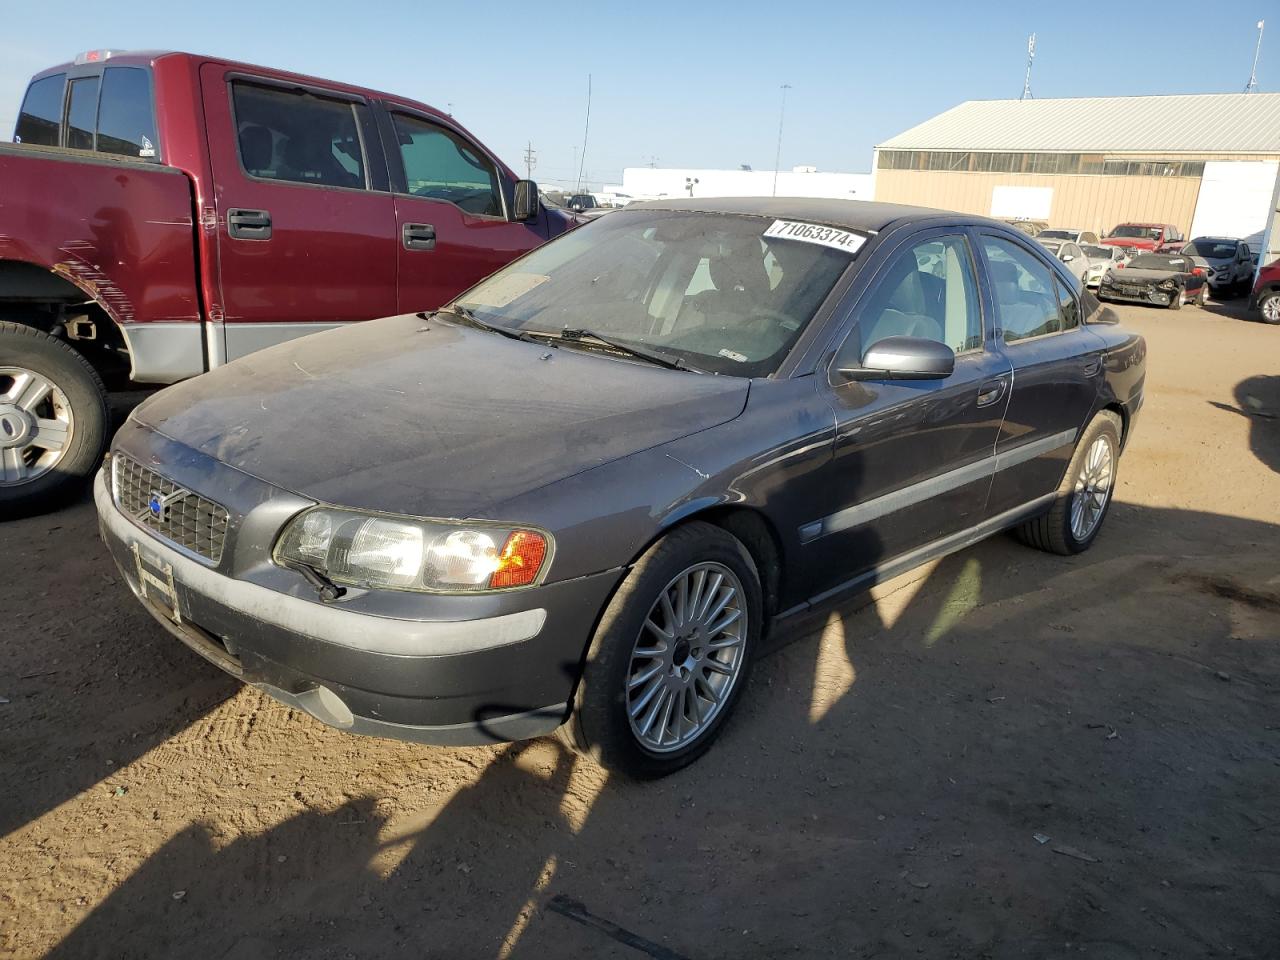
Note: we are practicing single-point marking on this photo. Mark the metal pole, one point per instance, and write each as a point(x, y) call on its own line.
point(777, 157)
point(1252, 85)
point(585, 130)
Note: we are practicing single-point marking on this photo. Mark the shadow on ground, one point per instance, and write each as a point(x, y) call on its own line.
point(1018, 755)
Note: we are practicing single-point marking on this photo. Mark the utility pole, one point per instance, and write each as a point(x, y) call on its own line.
point(1026, 80)
point(777, 157)
point(1252, 85)
point(585, 130)
point(530, 160)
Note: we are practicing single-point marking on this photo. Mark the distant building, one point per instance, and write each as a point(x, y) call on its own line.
point(653, 183)
point(1206, 163)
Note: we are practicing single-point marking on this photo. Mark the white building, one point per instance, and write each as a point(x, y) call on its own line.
point(648, 183)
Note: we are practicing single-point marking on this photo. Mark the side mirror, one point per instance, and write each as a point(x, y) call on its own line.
point(526, 205)
point(904, 358)
point(1067, 258)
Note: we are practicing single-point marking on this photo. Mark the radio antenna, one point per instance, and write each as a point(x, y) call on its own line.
point(1026, 81)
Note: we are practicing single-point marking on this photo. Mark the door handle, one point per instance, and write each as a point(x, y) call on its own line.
point(248, 224)
point(418, 236)
point(991, 391)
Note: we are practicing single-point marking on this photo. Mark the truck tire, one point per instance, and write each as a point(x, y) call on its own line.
point(53, 420)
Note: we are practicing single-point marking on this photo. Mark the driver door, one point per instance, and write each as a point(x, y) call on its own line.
point(451, 210)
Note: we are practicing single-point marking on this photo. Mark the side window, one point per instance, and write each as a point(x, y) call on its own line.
point(297, 136)
point(441, 165)
point(1067, 306)
point(41, 115)
point(927, 291)
point(1024, 290)
point(82, 113)
point(125, 124)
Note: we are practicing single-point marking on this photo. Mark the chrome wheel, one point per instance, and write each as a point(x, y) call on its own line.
point(35, 425)
point(1271, 308)
point(1093, 489)
point(687, 658)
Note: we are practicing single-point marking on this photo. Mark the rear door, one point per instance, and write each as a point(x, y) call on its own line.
point(913, 458)
point(306, 225)
point(1057, 366)
point(451, 203)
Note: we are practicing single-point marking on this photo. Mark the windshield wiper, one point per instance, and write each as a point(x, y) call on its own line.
point(467, 315)
point(640, 353)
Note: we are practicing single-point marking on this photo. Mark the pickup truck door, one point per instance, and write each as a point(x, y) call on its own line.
point(306, 229)
point(451, 202)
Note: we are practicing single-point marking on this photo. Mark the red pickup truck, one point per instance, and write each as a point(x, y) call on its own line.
point(163, 213)
point(1153, 237)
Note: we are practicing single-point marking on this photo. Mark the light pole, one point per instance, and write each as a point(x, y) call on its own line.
point(777, 157)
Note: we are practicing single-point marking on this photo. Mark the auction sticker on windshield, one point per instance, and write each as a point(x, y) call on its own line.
point(814, 233)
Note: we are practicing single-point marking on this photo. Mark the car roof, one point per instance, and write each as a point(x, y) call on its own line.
point(851, 214)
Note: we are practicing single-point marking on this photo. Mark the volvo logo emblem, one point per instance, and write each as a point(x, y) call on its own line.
point(158, 504)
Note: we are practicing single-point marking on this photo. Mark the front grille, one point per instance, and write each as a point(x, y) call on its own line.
point(175, 513)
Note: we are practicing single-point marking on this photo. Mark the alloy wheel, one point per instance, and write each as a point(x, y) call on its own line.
point(1271, 308)
point(36, 425)
point(687, 658)
point(1093, 489)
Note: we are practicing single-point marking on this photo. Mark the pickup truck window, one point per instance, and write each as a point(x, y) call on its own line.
point(298, 136)
point(440, 165)
point(82, 113)
point(125, 123)
point(41, 115)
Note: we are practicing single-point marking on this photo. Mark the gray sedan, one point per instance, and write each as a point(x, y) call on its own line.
point(581, 496)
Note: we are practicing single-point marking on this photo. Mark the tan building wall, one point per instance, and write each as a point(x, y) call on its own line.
point(1081, 201)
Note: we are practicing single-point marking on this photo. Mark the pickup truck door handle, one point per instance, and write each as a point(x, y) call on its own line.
point(418, 236)
point(991, 391)
point(248, 224)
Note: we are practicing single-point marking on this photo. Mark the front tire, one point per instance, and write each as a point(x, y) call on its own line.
point(1176, 303)
point(671, 655)
point(53, 420)
point(1084, 496)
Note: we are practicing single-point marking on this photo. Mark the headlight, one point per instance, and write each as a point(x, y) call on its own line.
point(1168, 284)
point(401, 553)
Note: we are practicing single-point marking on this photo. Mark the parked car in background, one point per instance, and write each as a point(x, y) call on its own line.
point(641, 448)
point(1160, 279)
point(1154, 237)
point(1068, 233)
point(1227, 262)
point(1031, 228)
point(1071, 255)
point(1266, 293)
point(164, 213)
point(1101, 259)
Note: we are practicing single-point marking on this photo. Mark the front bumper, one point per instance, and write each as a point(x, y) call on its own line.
point(1152, 295)
point(451, 670)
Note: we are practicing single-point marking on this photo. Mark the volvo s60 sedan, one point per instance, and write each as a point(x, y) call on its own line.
point(580, 496)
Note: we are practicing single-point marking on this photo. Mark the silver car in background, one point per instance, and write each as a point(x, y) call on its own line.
point(1227, 262)
point(1071, 255)
point(1101, 259)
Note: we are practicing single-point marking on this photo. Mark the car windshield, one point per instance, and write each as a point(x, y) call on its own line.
point(1056, 235)
point(1152, 262)
point(1211, 249)
point(1098, 253)
point(1136, 231)
point(711, 290)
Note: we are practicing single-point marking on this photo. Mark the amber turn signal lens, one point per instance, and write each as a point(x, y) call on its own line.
point(520, 560)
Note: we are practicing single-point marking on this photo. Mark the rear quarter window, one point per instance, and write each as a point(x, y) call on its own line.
point(41, 114)
point(126, 124)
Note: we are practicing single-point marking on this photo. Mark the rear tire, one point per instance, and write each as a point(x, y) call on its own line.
point(635, 669)
point(1269, 306)
point(53, 420)
point(1203, 299)
point(1061, 530)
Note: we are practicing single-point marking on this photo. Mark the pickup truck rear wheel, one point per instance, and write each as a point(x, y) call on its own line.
point(53, 420)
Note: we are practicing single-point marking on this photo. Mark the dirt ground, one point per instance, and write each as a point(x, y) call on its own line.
point(886, 790)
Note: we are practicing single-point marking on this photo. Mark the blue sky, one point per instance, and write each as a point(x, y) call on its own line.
point(685, 84)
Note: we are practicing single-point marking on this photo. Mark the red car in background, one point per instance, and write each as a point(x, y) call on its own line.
point(1266, 293)
point(1152, 237)
point(162, 214)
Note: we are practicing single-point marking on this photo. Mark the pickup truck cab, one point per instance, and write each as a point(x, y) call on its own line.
point(166, 213)
point(1148, 237)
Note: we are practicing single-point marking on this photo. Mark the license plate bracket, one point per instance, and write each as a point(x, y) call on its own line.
point(155, 583)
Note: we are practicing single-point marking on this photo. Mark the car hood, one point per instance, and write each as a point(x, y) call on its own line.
point(1135, 242)
point(429, 418)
